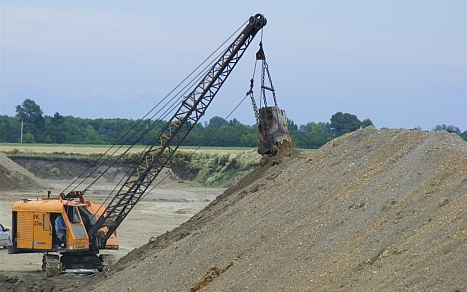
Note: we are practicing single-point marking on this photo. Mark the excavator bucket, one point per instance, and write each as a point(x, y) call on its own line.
point(273, 132)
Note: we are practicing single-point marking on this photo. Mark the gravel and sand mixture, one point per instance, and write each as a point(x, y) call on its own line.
point(370, 211)
point(15, 178)
point(373, 210)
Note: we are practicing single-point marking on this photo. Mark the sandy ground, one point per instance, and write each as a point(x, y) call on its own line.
point(161, 210)
point(373, 210)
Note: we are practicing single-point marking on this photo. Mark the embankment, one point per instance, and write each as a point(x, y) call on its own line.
point(207, 169)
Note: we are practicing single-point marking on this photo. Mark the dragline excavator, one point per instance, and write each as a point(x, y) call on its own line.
point(72, 231)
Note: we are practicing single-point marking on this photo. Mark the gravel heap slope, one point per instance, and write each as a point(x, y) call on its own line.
point(15, 178)
point(370, 211)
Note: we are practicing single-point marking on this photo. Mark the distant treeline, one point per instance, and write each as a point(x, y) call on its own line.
point(218, 132)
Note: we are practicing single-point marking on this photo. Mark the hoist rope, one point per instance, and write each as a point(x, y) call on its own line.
point(171, 104)
point(148, 123)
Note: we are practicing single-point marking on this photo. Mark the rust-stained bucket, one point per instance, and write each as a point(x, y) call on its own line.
point(272, 130)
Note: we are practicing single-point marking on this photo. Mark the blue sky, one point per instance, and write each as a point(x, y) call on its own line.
point(401, 64)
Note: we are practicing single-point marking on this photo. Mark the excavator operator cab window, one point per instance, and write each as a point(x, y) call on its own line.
point(45, 222)
point(72, 213)
point(75, 220)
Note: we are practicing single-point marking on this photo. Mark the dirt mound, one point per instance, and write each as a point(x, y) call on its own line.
point(369, 211)
point(14, 177)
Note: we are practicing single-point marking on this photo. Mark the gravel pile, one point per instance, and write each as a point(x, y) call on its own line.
point(370, 211)
point(15, 178)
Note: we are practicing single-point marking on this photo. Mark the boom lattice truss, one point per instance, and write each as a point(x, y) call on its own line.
point(177, 128)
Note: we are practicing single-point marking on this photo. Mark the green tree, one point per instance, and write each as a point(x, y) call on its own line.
point(71, 132)
point(216, 121)
point(291, 126)
point(28, 138)
point(3, 133)
point(214, 132)
point(55, 129)
point(91, 136)
point(31, 114)
point(300, 139)
point(320, 135)
point(234, 122)
point(196, 136)
point(464, 135)
point(308, 128)
point(366, 123)
point(449, 128)
point(344, 123)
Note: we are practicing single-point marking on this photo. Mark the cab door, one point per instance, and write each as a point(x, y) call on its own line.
point(42, 231)
point(24, 230)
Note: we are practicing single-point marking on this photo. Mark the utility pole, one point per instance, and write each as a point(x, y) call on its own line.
point(21, 131)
